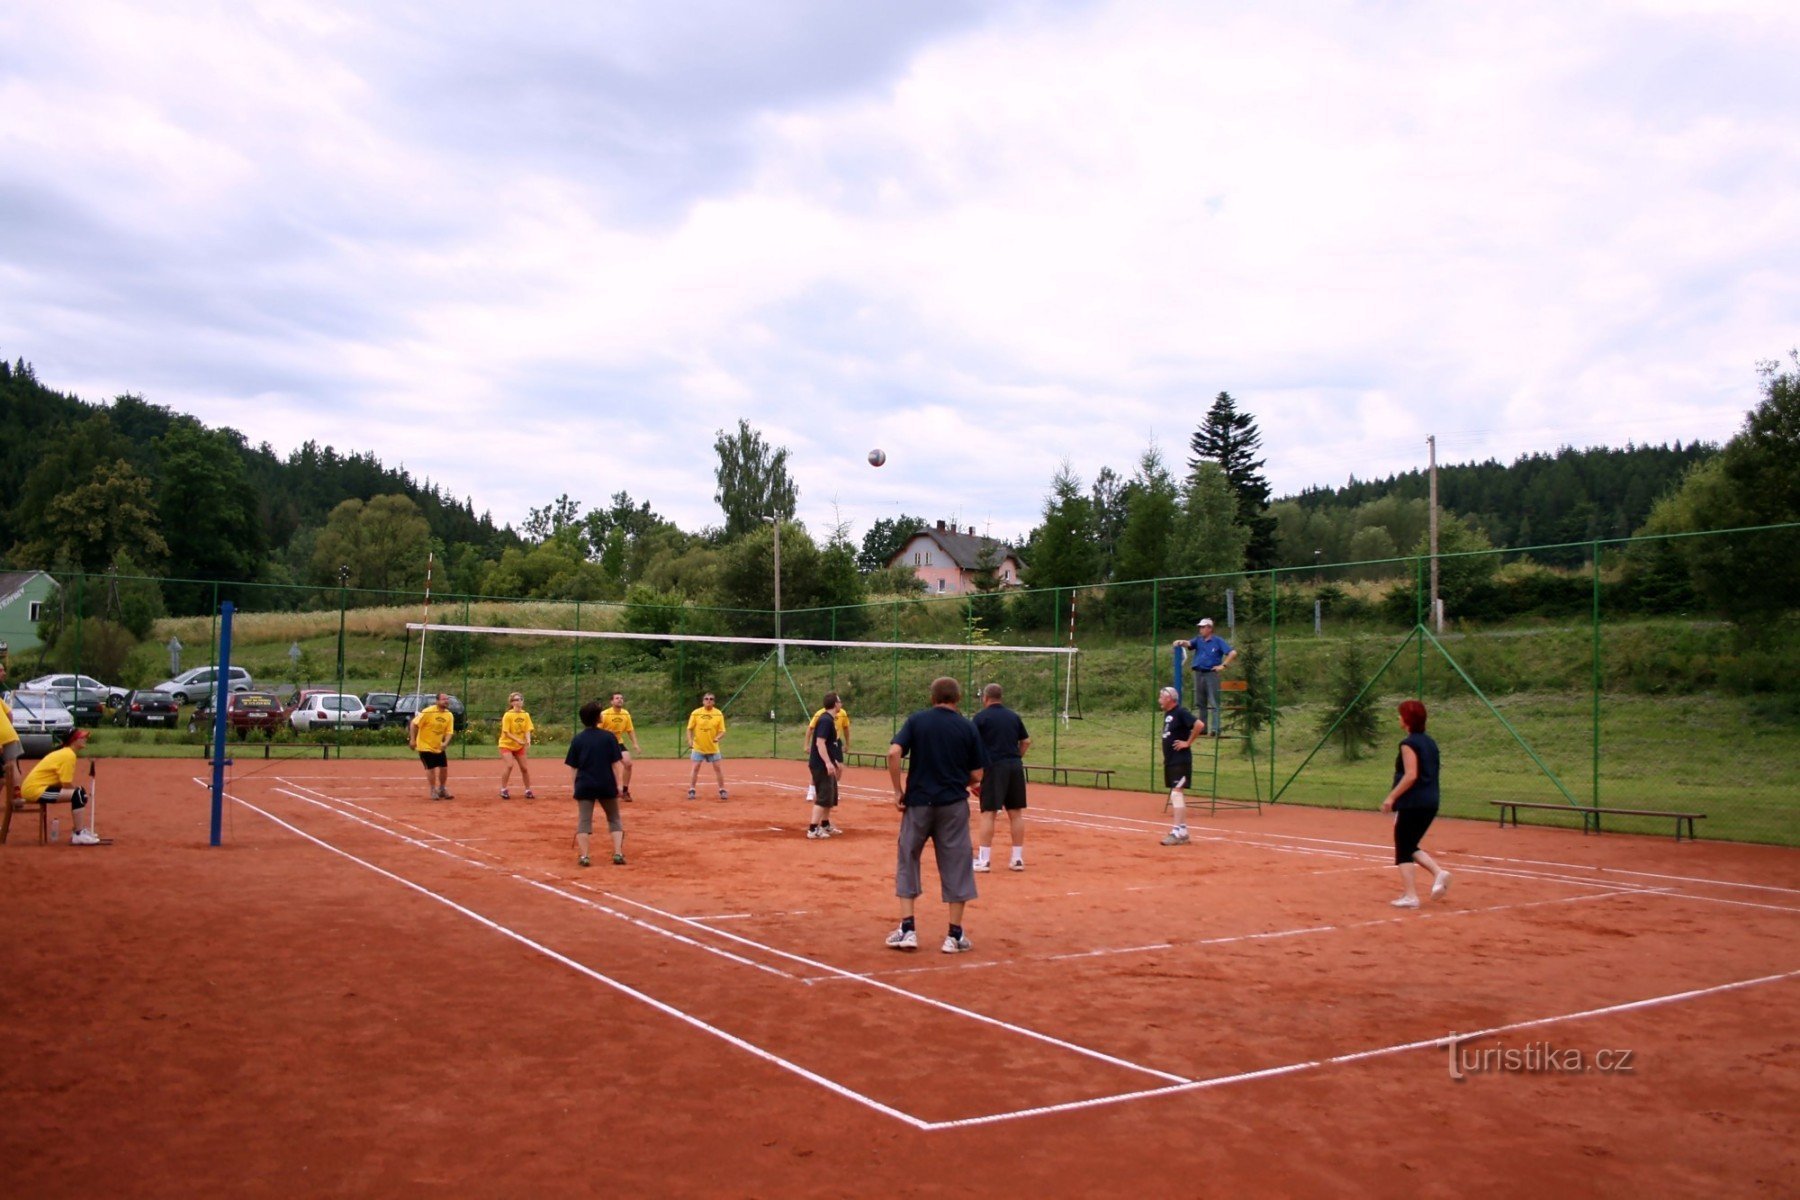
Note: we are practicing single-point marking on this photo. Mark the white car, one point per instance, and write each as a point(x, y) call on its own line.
point(89, 686)
point(322, 710)
point(40, 719)
point(191, 685)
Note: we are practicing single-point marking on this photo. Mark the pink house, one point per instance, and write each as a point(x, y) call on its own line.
point(948, 560)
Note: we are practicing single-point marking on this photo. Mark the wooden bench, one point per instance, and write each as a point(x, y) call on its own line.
point(865, 758)
point(1097, 776)
point(1590, 817)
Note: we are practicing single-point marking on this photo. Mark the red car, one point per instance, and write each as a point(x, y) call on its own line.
point(254, 710)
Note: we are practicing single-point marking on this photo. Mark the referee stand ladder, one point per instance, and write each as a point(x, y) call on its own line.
point(1234, 727)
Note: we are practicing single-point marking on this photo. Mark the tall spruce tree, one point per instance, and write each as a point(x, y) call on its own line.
point(1231, 439)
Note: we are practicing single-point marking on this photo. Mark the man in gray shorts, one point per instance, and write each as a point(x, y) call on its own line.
point(12, 776)
point(933, 799)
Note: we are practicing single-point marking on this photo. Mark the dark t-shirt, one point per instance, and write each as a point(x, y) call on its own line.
point(824, 730)
point(592, 752)
point(1001, 731)
point(1178, 726)
point(945, 750)
point(1424, 791)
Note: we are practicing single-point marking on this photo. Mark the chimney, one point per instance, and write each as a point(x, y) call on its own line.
point(940, 527)
point(971, 531)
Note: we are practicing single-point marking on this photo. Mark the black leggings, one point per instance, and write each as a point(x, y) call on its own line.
point(1410, 825)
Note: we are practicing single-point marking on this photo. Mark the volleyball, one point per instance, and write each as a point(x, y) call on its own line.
point(877, 457)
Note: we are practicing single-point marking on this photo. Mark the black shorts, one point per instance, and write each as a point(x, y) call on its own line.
point(1003, 786)
point(1410, 825)
point(1178, 770)
point(434, 759)
point(825, 785)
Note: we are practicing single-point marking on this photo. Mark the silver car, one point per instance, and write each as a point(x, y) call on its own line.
point(41, 720)
point(89, 686)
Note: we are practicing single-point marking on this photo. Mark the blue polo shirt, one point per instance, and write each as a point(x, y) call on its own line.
point(1209, 652)
point(944, 750)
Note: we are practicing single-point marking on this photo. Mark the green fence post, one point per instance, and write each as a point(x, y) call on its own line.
point(468, 700)
point(894, 705)
point(1155, 668)
point(343, 607)
point(1056, 710)
point(1596, 575)
point(1274, 652)
point(575, 669)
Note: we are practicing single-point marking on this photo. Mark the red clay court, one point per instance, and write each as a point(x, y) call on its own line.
point(363, 992)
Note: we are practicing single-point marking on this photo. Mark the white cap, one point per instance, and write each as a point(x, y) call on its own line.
point(1205, 621)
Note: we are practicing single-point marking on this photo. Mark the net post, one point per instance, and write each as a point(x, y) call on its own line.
point(221, 689)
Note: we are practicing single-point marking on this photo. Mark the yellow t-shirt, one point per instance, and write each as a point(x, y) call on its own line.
point(57, 769)
point(7, 732)
point(432, 728)
point(705, 726)
point(842, 722)
point(617, 721)
point(515, 727)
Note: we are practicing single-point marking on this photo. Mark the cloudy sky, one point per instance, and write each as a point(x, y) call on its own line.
point(553, 247)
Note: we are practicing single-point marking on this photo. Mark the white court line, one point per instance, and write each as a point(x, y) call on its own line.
point(667, 1009)
point(1230, 939)
point(1357, 1056)
point(750, 942)
point(424, 845)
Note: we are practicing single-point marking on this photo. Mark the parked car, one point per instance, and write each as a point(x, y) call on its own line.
point(381, 707)
point(111, 696)
point(323, 710)
point(41, 721)
point(245, 711)
point(90, 706)
point(148, 708)
point(407, 707)
point(191, 685)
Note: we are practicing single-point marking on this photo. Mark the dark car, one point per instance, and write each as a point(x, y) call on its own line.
point(87, 705)
point(255, 710)
point(149, 708)
point(407, 707)
point(381, 707)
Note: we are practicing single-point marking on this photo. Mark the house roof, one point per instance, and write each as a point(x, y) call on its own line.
point(966, 549)
point(13, 582)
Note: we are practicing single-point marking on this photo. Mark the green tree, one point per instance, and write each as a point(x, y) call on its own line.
point(884, 539)
point(1354, 710)
point(210, 514)
point(99, 519)
point(1230, 438)
point(753, 481)
point(1062, 553)
point(747, 578)
point(383, 542)
point(1147, 543)
point(1112, 499)
point(1754, 481)
point(840, 591)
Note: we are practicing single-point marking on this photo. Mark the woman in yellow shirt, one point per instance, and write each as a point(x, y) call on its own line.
point(515, 740)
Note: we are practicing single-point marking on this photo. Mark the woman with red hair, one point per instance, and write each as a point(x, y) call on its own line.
point(1414, 803)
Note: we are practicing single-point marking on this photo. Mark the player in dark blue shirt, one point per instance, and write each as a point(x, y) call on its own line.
point(1004, 737)
point(597, 761)
point(1414, 803)
point(947, 760)
point(1180, 728)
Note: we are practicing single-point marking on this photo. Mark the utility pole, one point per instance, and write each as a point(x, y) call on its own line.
point(1437, 606)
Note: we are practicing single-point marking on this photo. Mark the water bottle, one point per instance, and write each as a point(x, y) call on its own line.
point(56, 829)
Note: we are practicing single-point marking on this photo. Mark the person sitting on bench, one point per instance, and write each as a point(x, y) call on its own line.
point(52, 781)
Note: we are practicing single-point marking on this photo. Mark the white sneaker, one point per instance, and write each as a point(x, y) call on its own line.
point(85, 837)
point(1018, 864)
point(904, 939)
point(957, 945)
point(981, 868)
point(815, 834)
point(831, 830)
point(1440, 885)
point(1405, 902)
point(1176, 838)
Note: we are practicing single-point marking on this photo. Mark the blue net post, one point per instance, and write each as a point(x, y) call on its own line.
point(221, 693)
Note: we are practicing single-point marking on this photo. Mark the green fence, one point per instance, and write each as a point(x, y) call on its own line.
point(1581, 675)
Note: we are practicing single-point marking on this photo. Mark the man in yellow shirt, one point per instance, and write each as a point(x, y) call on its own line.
point(617, 721)
point(430, 734)
point(515, 741)
point(52, 781)
point(705, 730)
point(843, 740)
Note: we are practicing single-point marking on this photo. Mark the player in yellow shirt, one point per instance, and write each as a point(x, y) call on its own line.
point(11, 750)
point(430, 734)
point(843, 740)
point(616, 720)
point(515, 741)
point(52, 781)
point(705, 730)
